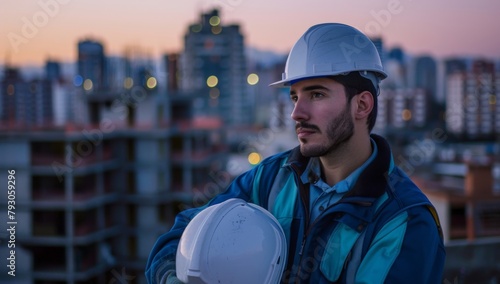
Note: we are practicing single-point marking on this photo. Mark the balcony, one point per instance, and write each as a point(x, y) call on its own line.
point(85, 222)
point(81, 154)
point(49, 193)
point(197, 156)
point(57, 263)
point(48, 223)
point(40, 159)
point(47, 188)
point(85, 260)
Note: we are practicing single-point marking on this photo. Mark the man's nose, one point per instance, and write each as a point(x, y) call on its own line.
point(300, 111)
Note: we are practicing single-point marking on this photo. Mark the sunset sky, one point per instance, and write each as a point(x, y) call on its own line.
point(32, 31)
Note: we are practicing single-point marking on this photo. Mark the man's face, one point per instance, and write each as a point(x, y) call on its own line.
point(322, 115)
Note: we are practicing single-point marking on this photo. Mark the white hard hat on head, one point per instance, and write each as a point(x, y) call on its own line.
point(332, 49)
point(232, 242)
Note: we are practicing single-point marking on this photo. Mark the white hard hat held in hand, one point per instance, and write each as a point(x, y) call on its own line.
point(232, 242)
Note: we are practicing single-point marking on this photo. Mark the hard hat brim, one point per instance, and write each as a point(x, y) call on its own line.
point(290, 81)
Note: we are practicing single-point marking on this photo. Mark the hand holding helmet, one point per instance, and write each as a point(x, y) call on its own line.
point(232, 242)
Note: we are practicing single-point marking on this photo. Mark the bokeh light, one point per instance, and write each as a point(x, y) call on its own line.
point(214, 93)
point(88, 85)
point(11, 90)
point(253, 79)
point(254, 158)
point(151, 82)
point(77, 81)
point(214, 21)
point(212, 81)
point(406, 114)
point(128, 83)
point(196, 28)
point(216, 30)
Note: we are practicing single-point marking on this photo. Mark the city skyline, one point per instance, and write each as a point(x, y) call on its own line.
point(32, 28)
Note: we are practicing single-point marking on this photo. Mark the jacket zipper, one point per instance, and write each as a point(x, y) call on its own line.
point(309, 228)
point(306, 224)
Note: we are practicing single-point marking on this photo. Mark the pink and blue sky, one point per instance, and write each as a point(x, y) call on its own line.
point(32, 31)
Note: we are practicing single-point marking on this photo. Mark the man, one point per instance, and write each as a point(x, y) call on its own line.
point(350, 215)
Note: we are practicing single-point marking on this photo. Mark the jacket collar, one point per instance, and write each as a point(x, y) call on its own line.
point(372, 181)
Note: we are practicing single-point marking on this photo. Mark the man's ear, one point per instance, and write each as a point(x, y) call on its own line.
point(364, 105)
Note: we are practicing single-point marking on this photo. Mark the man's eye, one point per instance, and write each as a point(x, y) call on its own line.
point(317, 95)
point(293, 98)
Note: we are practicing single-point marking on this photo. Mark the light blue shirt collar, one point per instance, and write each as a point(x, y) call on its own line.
point(314, 169)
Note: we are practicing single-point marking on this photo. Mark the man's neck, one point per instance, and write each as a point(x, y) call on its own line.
point(340, 163)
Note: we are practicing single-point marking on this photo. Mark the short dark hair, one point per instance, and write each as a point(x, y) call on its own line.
point(355, 84)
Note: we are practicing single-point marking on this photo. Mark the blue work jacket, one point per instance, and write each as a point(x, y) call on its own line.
point(383, 230)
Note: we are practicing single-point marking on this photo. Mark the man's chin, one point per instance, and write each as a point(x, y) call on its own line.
point(311, 151)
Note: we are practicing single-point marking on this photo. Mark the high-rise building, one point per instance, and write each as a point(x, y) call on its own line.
point(454, 65)
point(68, 106)
point(52, 70)
point(12, 90)
point(91, 65)
point(472, 109)
point(449, 66)
point(171, 62)
point(379, 44)
point(402, 109)
point(25, 103)
point(426, 75)
point(213, 63)
point(396, 53)
point(116, 72)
